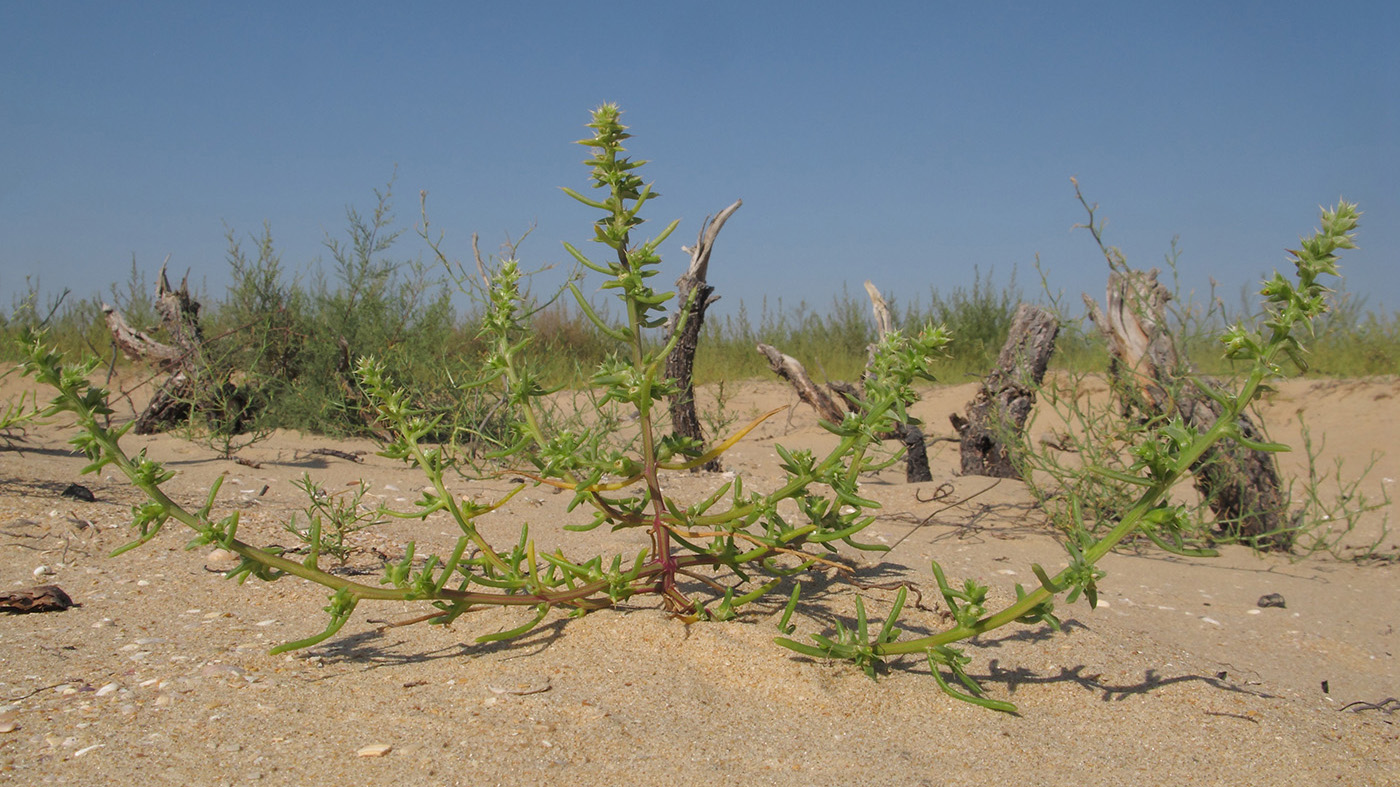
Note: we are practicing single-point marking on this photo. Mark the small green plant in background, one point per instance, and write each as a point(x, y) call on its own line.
point(1325, 523)
point(18, 411)
point(331, 519)
point(705, 558)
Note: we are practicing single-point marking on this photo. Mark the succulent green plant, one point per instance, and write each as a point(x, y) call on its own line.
point(739, 538)
point(732, 528)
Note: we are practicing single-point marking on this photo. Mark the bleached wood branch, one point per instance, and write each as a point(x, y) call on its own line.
point(883, 321)
point(792, 370)
point(137, 345)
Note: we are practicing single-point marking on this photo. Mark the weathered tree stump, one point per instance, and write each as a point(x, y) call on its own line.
point(172, 402)
point(181, 394)
point(680, 364)
point(1241, 485)
point(997, 416)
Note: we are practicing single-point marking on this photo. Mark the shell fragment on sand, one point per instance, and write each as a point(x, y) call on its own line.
point(374, 750)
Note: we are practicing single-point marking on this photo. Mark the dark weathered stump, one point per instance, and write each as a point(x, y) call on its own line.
point(916, 469)
point(996, 417)
point(680, 364)
point(169, 407)
point(1241, 485)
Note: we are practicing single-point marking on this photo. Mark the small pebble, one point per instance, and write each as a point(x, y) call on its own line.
point(374, 750)
point(220, 557)
point(8, 726)
point(1273, 600)
point(78, 492)
point(108, 689)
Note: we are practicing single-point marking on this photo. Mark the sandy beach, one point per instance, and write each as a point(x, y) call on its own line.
point(1179, 677)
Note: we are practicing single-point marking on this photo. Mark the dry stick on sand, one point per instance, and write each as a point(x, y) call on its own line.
point(356, 456)
point(792, 370)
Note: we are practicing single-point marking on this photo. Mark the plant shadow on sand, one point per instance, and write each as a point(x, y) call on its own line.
point(373, 650)
point(1016, 677)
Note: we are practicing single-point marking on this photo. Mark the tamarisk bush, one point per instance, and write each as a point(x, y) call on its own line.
point(735, 543)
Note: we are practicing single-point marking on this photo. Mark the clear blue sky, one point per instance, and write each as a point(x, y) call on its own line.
point(904, 142)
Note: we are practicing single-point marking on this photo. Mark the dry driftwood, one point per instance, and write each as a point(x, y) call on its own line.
point(680, 364)
point(180, 394)
point(997, 416)
point(884, 323)
point(792, 370)
point(916, 468)
point(171, 404)
point(1241, 485)
point(42, 598)
point(136, 344)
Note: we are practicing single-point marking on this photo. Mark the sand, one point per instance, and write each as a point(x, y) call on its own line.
point(162, 675)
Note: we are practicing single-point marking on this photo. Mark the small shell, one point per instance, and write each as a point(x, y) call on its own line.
point(374, 750)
